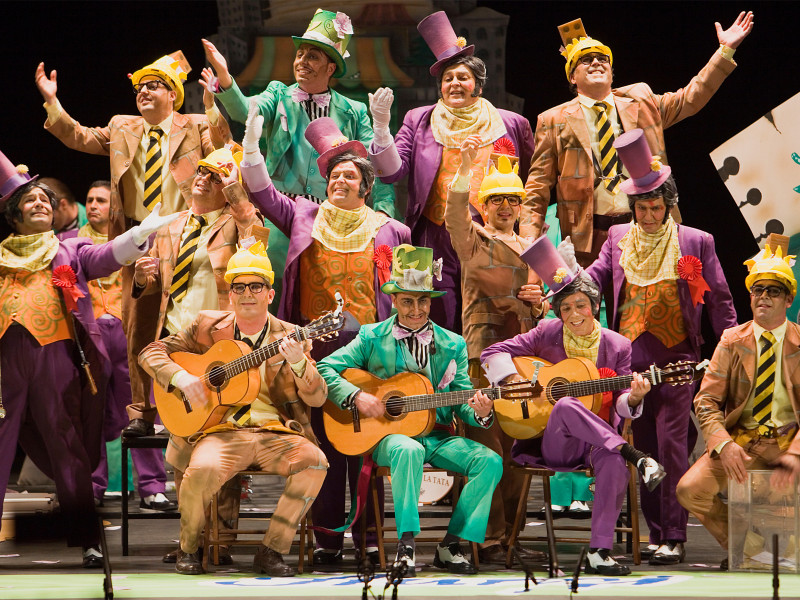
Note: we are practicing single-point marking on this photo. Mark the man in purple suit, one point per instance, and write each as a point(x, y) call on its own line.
point(661, 274)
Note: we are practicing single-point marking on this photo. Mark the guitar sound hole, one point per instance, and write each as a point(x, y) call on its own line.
point(555, 381)
point(216, 377)
point(394, 406)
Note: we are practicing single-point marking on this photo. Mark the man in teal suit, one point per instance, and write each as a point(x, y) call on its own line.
point(409, 341)
point(287, 110)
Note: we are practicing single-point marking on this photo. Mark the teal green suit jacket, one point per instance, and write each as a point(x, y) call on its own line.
point(375, 350)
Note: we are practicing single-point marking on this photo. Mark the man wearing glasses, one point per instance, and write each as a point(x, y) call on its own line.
point(502, 298)
point(748, 404)
point(573, 140)
point(152, 158)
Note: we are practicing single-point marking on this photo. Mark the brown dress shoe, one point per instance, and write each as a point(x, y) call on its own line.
point(270, 562)
point(189, 563)
point(494, 554)
point(527, 554)
point(225, 558)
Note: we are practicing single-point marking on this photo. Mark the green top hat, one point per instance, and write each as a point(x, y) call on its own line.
point(413, 270)
point(330, 32)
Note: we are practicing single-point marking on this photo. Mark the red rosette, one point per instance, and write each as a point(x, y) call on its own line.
point(382, 257)
point(690, 269)
point(64, 278)
point(608, 397)
point(504, 146)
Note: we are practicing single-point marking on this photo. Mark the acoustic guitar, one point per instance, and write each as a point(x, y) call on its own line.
point(230, 371)
point(410, 409)
point(524, 418)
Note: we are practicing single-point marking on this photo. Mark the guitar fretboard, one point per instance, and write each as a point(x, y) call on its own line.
point(598, 386)
point(428, 401)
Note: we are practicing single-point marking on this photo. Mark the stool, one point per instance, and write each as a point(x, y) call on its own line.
point(148, 441)
point(211, 537)
point(458, 482)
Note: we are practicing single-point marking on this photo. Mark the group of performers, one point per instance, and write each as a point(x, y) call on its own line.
point(197, 236)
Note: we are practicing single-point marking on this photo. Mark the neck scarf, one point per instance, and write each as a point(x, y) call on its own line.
point(343, 230)
point(451, 126)
point(648, 258)
point(584, 346)
point(28, 252)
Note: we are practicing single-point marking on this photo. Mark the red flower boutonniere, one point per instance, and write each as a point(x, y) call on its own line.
point(690, 269)
point(504, 145)
point(64, 278)
point(383, 260)
point(605, 373)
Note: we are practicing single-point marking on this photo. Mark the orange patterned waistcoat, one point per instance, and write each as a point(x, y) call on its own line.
point(451, 160)
point(106, 299)
point(31, 300)
point(325, 272)
point(655, 308)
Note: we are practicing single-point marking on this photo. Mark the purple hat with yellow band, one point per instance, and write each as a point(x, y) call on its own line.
point(438, 33)
point(544, 259)
point(11, 178)
point(645, 170)
point(326, 138)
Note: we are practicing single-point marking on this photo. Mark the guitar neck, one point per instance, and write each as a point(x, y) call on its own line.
point(598, 386)
point(259, 355)
point(428, 401)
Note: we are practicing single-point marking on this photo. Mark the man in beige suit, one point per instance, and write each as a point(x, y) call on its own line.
point(182, 140)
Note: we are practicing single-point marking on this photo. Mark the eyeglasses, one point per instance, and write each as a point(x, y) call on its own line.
point(203, 171)
point(255, 288)
point(773, 291)
point(151, 86)
point(588, 59)
point(512, 200)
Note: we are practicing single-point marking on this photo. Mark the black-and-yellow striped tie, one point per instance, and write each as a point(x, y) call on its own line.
point(765, 380)
point(609, 161)
point(152, 170)
point(183, 266)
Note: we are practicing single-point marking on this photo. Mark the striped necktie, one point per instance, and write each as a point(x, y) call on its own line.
point(609, 161)
point(180, 276)
point(765, 380)
point(152, 170)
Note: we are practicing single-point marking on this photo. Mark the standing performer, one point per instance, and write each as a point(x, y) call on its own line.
point(428, 146)
point(411, 342)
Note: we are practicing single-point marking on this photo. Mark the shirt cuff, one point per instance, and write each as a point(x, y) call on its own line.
point(460, 183)
point(299, 367)
point(499, 366)
point(212, 114)
point(485, 421)
point(625, 410)
point(727, 53)
point(53, 111)
point(718, 448)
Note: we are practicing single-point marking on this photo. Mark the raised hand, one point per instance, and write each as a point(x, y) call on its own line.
point(380, 106)
point(218, 63)
point(254, 126)
point(567, 251)
point(734, 34)
point(47, 86)
point(208, 82)
point(152, 223)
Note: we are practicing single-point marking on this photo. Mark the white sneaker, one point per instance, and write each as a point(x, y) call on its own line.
point(652, 472)
point(578, 506)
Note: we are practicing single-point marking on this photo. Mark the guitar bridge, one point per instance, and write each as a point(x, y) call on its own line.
point(187, 406)
point(356, 419)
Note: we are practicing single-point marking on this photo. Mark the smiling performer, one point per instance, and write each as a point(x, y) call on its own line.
point(153, 159)
point(575, 437)
point(339, 246)
point(428, 146)
point(573, 140)
point(660, 275)
point(411, 342)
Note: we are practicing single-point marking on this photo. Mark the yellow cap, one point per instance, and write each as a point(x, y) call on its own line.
point(769, 265)
point(502, 179)
point(250, 261)
point(172, 69)
point(580, 47)
point(223, 160)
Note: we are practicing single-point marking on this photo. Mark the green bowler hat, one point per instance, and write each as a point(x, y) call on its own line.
point(413, 270)
point(330, 32)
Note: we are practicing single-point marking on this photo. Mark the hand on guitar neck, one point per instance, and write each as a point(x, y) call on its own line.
point(639, 388)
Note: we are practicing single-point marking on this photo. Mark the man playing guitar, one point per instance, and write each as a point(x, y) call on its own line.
point(411, 342)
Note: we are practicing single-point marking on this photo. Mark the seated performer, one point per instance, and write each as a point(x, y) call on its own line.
point(411, 342)
point(502, 297)
point(42, 331)
point(575, 437)
point(256, 434)
point(747, 404)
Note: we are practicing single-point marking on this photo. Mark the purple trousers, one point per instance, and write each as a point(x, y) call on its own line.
point(662, 432)
point(576, 438)
point(148, 462)
point(42, 397)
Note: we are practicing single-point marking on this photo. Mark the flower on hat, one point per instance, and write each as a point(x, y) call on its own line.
point(342, 25)
point(436, 268)
point(655, 163)
point(461, 42)
point(22, 169)
point(560, 274)
point(339, 141)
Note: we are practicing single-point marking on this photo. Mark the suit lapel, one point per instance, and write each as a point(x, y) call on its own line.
point(577, 122)
point(133, 131)
point(177, 133)
point(223, 329)
point(628, 112)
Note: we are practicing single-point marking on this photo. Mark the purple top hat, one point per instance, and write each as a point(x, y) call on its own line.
point(324, 135)
point(646, 173)
point(11, 179)
point(442, 40)
point(543, 258)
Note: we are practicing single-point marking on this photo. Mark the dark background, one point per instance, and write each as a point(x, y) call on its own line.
point(94, 45)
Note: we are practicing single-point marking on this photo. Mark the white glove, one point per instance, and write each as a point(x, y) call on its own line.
point(254, 126)
point(152, 222)
point(567, 252)
point(380, 105)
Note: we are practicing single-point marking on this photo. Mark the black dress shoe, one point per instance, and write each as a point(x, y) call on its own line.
point(138, 428)
point(494, 554)
point(601, 562)
point(723, 566)
point(529, 554)
point(323, 557)
point(451, 557)
point(270, 562)
point(92, 558)
point(189, 563)
point(373, 556)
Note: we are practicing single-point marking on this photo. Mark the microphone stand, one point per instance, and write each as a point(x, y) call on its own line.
point(529, 576)
point(577, 574)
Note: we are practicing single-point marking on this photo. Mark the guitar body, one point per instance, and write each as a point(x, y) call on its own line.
point(527, 418)
point(339, 424)
point(239, 390)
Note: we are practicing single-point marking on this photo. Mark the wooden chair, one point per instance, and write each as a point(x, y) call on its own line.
point(213, 533)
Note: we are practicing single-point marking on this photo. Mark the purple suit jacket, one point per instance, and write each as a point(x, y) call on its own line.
point(693, 242)
point(420, 155)
point(295, 218)
point(546, 341)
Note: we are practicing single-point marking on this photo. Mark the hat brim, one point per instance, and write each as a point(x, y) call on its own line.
point(353, 146)
point(330, 51)
point(648, 183)
point(391, 287)
point(175, 86)
point(501, 191)
point(438, 66)
point(21, 183)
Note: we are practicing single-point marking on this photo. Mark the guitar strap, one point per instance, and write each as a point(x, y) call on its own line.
point(362, 495)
